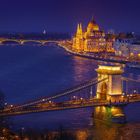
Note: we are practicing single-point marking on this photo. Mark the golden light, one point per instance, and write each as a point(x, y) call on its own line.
point(114, 68)
point(91, 40)
point(81, 135)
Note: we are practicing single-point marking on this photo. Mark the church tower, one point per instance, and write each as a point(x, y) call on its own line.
point(78, 39)
point(79, 32)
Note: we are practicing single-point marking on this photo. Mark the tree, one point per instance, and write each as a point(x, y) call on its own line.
point(2, 99)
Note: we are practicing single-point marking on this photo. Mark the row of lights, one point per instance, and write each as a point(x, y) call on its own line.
point(75, 97)
point(134, 92)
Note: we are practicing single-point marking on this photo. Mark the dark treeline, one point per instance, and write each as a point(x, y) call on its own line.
point(32, 134)
point(3, 121)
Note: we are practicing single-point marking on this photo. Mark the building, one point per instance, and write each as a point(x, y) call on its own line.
point(92, 39)
point(127, 46)
point(129, 50)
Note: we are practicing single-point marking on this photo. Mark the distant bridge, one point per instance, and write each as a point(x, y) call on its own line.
point(24, 41)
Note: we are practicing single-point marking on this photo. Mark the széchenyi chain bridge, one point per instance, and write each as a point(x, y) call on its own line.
point(109, 92)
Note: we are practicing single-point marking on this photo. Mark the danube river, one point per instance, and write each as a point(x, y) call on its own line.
point(30, 72)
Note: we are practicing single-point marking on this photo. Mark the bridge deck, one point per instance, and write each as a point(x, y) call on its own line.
point(56, 108)
point(64, 106)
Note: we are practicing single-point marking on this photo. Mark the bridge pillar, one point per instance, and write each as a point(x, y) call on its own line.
point(111, 88)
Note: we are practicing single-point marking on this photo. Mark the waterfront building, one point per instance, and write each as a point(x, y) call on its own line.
point(127, 48)
point(92, 39)
point(124, 45)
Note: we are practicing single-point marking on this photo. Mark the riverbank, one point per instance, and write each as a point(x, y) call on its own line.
point(96, 131)
point(107, 58)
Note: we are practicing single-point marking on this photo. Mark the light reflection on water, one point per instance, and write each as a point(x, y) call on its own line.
point(30, 72)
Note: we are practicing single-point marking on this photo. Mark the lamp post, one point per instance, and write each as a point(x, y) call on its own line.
point(91, 92)
point(22, 132)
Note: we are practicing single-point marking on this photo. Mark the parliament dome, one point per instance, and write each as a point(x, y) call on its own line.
point(92, 26)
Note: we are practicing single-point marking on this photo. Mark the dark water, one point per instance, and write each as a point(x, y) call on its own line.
point(29, 72)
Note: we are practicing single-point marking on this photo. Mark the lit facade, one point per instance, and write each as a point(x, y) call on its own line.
point(91, 40)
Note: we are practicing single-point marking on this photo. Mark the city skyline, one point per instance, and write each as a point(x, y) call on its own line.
point(70, 69)
point(63, 16)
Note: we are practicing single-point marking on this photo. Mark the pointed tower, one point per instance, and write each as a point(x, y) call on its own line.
point(78, 39)
point(79, 32)
point(78, 28)
point(92, 20)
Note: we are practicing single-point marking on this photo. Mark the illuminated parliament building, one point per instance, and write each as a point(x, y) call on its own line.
point(92, 39)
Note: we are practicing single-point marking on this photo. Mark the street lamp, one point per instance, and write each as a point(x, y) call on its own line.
point(22, 130)
point(135, 91)
point(43, 100)
point(50, 102)
point(91, 92)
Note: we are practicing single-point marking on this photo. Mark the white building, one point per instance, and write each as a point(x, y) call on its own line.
point(127, 48)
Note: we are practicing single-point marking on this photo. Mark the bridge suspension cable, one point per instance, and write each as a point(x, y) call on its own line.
point(130, 79)
point(64, 93)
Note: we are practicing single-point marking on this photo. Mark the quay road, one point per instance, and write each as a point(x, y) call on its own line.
point(114, 59)
point(73, 104)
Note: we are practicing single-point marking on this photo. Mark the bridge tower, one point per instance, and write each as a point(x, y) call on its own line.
point(111, 88)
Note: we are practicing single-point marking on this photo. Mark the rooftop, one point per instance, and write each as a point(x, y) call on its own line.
point(109, 69)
